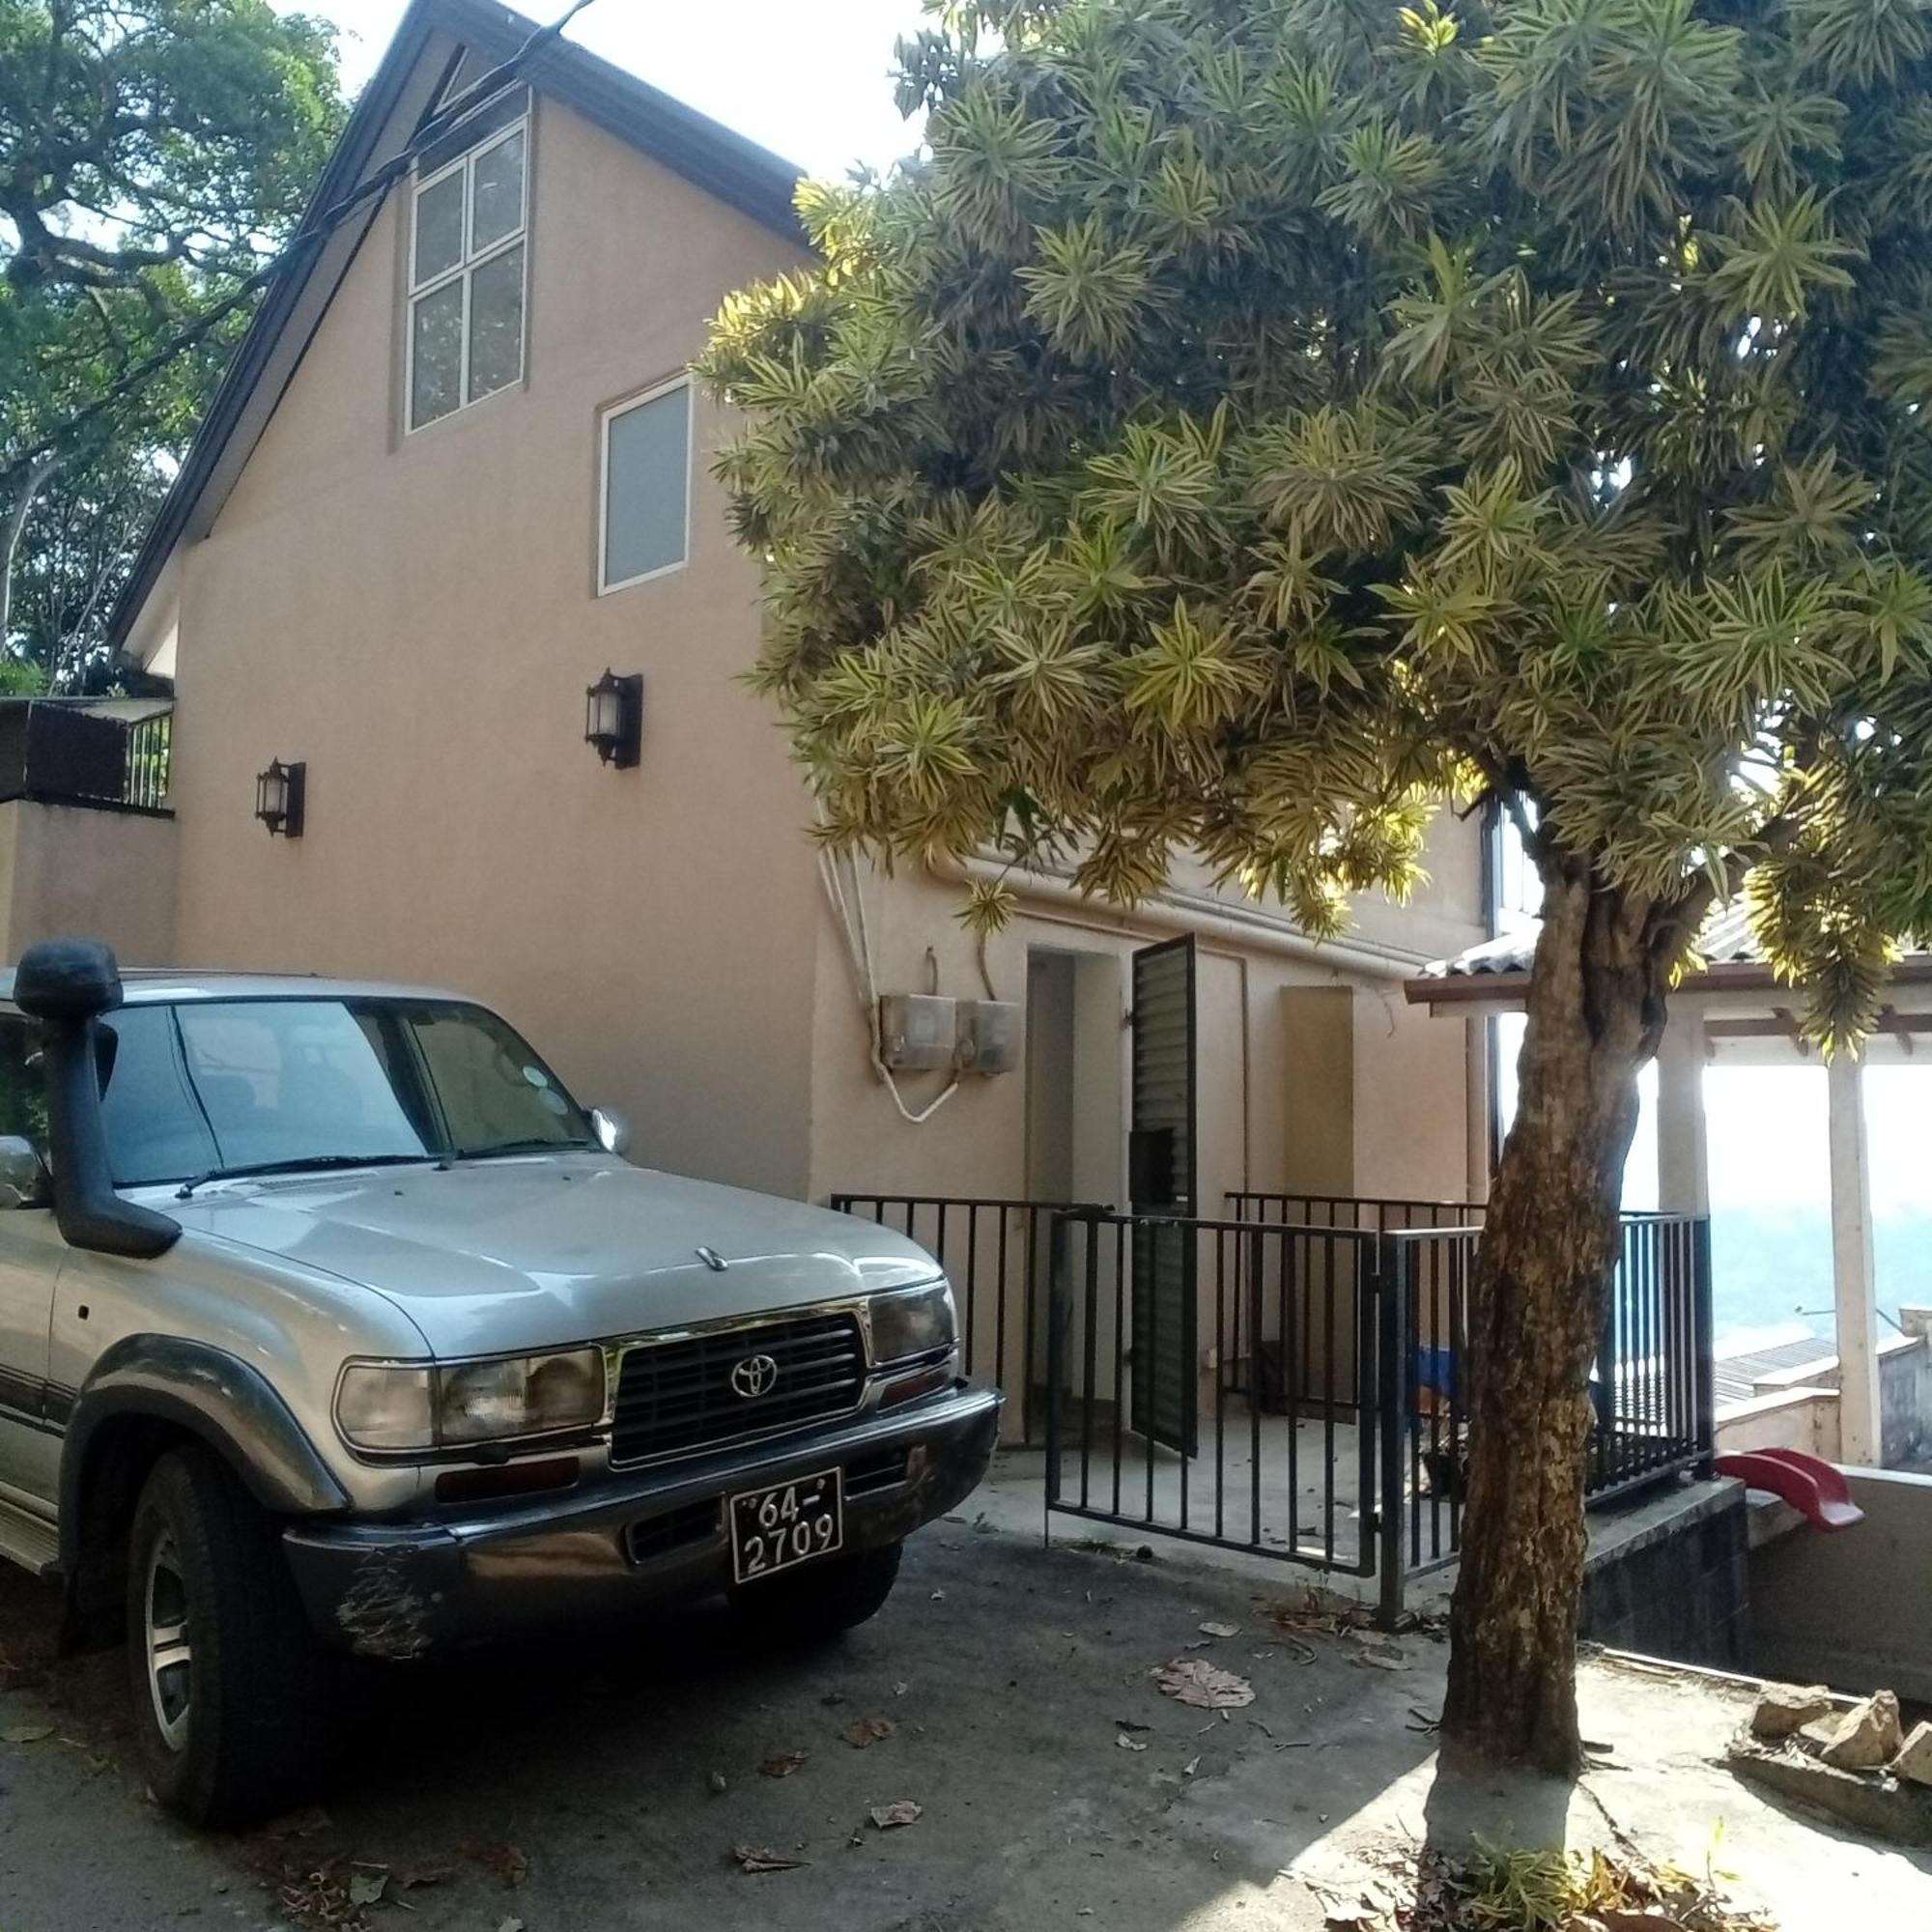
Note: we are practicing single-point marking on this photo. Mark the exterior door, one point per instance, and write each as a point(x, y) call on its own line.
point(1163, 1158)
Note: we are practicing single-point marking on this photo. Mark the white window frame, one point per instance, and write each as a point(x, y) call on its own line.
point(464, 270)
point(605, 587)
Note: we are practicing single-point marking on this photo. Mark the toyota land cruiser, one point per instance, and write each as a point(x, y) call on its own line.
point(330, 1321)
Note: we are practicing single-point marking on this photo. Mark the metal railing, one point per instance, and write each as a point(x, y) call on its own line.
point(1291, 1390)
point(1650, 1385)
point(1135, 1438)
point(110, 754)
point(1366, 1213)
point(150, 749)
point(995, 1253)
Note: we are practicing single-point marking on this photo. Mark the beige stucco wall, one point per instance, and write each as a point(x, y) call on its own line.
point(415, 618)
point(109, 875)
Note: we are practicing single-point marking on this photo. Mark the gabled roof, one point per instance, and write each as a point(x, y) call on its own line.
point(418, 65)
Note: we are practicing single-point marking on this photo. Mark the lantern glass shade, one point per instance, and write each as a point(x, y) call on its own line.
point(613, 717)
point(279, 798)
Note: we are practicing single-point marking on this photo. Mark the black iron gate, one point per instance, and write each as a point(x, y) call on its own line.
point(1161, 1165)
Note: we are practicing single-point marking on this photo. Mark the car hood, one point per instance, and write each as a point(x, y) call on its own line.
point(487, 1257)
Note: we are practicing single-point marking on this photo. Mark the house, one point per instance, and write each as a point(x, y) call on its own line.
point(455, 476)
point(455, 624)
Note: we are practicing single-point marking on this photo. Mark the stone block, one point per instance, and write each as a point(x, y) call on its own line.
point(1914, 1762)
point(1785, 1709)
point(1870, 1736)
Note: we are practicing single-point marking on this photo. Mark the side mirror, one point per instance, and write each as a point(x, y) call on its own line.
point(24, 1180)
point(612, 1130)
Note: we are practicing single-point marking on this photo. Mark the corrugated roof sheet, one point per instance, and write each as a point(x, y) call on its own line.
point(1726, 940)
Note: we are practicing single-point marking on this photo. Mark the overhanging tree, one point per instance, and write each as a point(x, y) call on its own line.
point(1260, 420)
point(152, 152)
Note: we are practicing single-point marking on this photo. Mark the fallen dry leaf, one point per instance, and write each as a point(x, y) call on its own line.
point(1207, 1687)
point(1219, 1629)
point(511, 1924)
point(784, 1764)
point(1385, 1658)
point(756, 1859)
point(26, 1734)
point(863, 1731)
point(510, 1863)
point(901, 1811)
point(366, 1888)
point(306, 1823)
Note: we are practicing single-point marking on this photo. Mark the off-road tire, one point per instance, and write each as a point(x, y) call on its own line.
point(818, 1601)
point(255, 1738)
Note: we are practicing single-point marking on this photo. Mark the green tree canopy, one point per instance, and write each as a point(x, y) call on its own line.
point(1256, 421)
point(152, 152)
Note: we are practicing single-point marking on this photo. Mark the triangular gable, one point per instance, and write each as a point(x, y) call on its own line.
point(441, 47)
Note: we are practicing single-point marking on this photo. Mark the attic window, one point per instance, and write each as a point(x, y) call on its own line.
point(467, 268)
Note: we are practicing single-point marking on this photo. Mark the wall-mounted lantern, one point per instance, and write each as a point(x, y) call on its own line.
point(279, 792)
point(614, 719)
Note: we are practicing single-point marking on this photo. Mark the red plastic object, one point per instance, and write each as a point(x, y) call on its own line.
point(1811, 1485)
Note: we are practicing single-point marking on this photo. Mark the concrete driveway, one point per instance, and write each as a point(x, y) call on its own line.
point(578, 1788)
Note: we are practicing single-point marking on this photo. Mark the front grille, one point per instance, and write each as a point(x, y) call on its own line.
point(675, 1397)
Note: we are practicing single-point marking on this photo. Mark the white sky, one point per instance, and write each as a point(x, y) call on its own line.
point(809, 81)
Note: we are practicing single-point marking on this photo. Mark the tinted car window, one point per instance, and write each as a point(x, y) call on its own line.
point(24, 1098)
point(209, 1085)
point(154, 1129)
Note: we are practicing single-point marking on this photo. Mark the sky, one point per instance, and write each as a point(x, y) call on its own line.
point(809, 81)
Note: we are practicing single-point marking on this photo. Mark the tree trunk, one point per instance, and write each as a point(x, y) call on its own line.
point(1549, 1248)
point(28, 489)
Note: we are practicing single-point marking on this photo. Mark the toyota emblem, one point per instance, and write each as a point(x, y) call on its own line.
point(754, 1377)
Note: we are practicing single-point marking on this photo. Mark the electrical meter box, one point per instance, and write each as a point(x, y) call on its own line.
point(918, 1031)
point(990, 1031)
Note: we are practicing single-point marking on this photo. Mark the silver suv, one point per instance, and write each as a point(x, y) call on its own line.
point(330, 1321)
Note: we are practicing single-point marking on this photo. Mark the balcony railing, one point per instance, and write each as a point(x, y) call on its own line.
point(107, 753)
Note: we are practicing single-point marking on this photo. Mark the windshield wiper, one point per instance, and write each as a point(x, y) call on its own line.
point(532, 1146)
point(301, 1164)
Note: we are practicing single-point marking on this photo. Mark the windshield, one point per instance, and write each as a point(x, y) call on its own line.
point(215, 1086)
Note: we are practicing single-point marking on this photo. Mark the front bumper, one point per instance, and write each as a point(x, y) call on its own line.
point(651, 1538)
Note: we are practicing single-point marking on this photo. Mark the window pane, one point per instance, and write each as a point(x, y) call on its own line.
point(293, 1080)
point(646, 482)
point(497, 323)
point(436, 372)
point(499, 208)
point(155, 1130)
point(495, 1092)
point(23, 1099)
point(439, 227)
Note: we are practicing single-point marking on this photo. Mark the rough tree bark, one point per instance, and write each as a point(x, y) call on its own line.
point(1595, 1015)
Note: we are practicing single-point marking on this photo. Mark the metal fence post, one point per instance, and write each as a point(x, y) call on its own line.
point(1391, 1431)
point(1704, 1346)
point(1057, 1301)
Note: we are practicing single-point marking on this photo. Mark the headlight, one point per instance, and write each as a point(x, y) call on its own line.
point(383, 1406)
point(530, 1395)
point(921, 1323)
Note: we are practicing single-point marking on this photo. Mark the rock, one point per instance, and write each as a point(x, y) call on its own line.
point(1869, 1736)
point(1787, 1708)
point(1914, 1762)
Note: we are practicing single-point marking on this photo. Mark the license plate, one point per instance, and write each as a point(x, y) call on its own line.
point(785, 1526)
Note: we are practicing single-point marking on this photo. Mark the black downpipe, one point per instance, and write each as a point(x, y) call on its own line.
point(67, 984)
